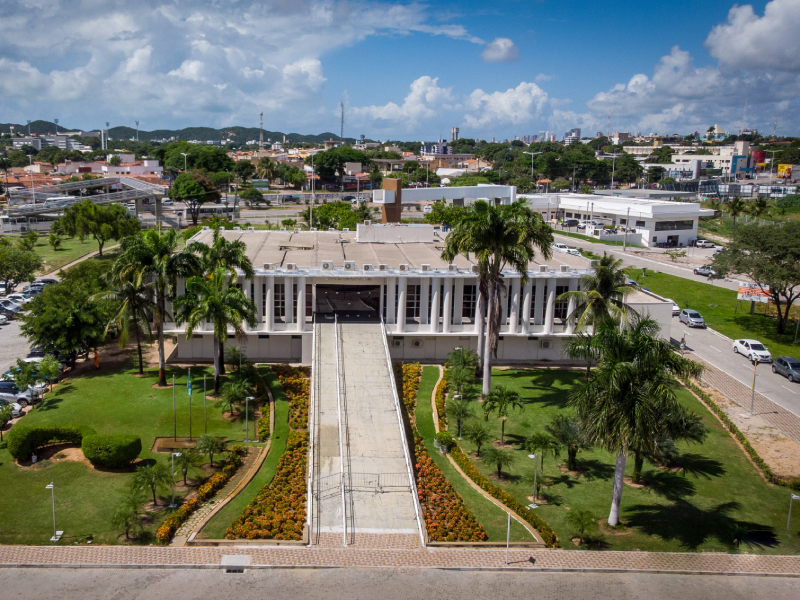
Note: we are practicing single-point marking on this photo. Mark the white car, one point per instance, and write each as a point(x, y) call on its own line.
point(753, 350)
point(428, 209)
point(3, 319)
point(166, 202)
point(676, 310)
point(19, 298)
point(574, 252)
point(558, 247)
point(701, 243)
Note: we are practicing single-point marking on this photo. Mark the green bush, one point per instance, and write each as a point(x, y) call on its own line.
point(115, 451)
point(791, 202)
point(24, 440)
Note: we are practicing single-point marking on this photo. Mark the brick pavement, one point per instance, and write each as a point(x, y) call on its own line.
point(777, 416)
point(446, 558)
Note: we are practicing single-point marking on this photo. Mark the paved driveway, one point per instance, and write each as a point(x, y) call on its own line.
point(12, 345)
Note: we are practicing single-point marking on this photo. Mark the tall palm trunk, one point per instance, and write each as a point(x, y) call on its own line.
point(616, 498)
point(216, 366)
point(162, 371)
point(222, 357)
point(487, 349)
point(481, 332)
point(139, 350)
point(638, 463)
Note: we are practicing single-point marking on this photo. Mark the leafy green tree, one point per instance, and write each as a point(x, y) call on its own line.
point(477, 433)
point(735, 208)
point(6, 414)
point(445, 214)
point(115, 161)
point(498, 236)
point(18, 265)
point(189, 461)
point(28, 241)
point(194, 189)
point(49, 369)
point(330, 163)
point(128, 514)
point(542, 444)
point(55, 240)
point(153, 478)
point(498, 457)
point(266, 169)
point(758, 207)
point(661, 155)
point(560, 184)
point(621, 402)
point(244, 170)
point(770, 256)
point(211, 299)
point(102, 222)
point(655, 174)
point(208, 444)
point(582, 521)
point(501, 400)
point(234, 393)
point(252, 195)
point(566, 430)
point(153, 254)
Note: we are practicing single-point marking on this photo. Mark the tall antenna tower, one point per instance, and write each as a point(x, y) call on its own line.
point(137, 131)
point(56, 122)
point(261, 132)
point(744, 125)
point(608, 128)
point(341, 129)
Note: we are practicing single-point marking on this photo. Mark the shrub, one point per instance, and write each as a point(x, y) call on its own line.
point(24, 440)
point(297, 386)
point(115, 451)
point(445, 440)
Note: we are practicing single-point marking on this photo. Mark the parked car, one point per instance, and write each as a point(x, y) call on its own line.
point(428, 209)
point(705, 271)
point(3, 319)
point(11, 393)
point(718, 250)
point(563, 248)
point(48, 281)
point(705, 244)
point(583, 224)
point(570, 223)
point(19, 298)
point(692, 318)
point(574, 252)
point(787, 366)
point(7, 313)
point(167, 202)
point(676, 310)
point(753, 350)
point(10, 306)
point(16, 409)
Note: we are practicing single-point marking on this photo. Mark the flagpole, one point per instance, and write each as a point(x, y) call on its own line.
point(190, 403)
point(174, 413)
point(205, 412)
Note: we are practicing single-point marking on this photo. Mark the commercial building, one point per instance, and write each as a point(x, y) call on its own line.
point(394, 273)
point(64, 142)
point(573, 135)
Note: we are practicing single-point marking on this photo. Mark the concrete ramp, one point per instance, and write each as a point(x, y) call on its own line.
point(362, 481)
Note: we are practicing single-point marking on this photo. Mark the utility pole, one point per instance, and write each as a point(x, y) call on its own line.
point(137, 131)
point(341, 128)
point(56, 122)
point(261, 132)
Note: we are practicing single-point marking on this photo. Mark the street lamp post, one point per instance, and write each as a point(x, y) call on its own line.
point(56, 534)
point(613, 171)
point(459, 396)
point(533, 504)
point(185, 154)
point(172, 504)
point(313, 195)
point(532, 155)
point(753, 390)
point(792, 498)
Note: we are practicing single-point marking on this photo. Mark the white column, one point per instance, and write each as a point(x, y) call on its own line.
point(458, 309)
point(551, 301)
point(539, 301)
point(435, 306)
point(424, 295)
point(515, 291)
point(380, 298)
point(289, 287)
point(401, 304)
point(526, 307)
point(573, 287)
point(390, 291)
point(246, 290)
point(504, 305)
point(448, 301)
point(270, 308)
point(258, 299)
point(301, 304)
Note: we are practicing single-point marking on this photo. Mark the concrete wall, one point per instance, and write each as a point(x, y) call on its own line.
point(260, 347)
point(510, 348)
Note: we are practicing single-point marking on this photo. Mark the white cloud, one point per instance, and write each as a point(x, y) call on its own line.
point(500, 50)
point(515, 106)
point(749, 42)
point(543, 77)
point(425, 100)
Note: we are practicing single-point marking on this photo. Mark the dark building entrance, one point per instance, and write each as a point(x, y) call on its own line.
point(348, 302)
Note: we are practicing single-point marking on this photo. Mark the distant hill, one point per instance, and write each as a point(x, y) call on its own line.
point(240, 135)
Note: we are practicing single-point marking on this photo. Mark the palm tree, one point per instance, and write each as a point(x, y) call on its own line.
point(128, 515)
point(582, 521)
point(152, 477)
point(758, 207)
point(602, 294)
point(266, 169)
point(735, 208)
point(621, 403)
point(235, 392)
point(499, 457)
point(208, 444)
point(498, 236)
point(213, 300)
point(500, 401)
point(189, 460)
point(543, 444)
point(136, 306)
point(566, 430)
point(478, 434)
point(153, 254)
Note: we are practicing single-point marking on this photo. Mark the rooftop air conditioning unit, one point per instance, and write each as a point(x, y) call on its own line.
point(237, 228)
point(251, 229)
point(542, 268)
point(382, 267)
point(369, 267)
point(564, 268)
point(397, 342)
point(403, 267)
point(545, 343)
point(475, 268)
point(268, 266)
point(283, 228)
point(206, 227)
point(291, 267)
point(331, 229)
point(296, 230)
point(426, 267)
point(349, 265)
point(345, 229)
point(313, 229)
point(452, 268)
point(367, 222)
point(327, 265)
point(417, 343)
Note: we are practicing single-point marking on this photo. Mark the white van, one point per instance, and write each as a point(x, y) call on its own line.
point(563, 248)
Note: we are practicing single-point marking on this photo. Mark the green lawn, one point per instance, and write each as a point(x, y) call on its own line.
point(71, 249)
point(720, 499)
point(591, 238)
point(86, 498)
point(723, 316)
point(493, 519)
point(216, 527)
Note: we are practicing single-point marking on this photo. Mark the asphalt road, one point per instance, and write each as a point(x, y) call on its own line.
point(12, 345)
point(387, 584)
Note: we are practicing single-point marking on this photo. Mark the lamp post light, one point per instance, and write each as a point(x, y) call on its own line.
point(460, 411)
point(56, 534)
point(246, 416)
point(753, 390)
point(532, 155)
point(792, 498)
point(533, 504)
point(613, 171)
point(172, 504)
point(185, 154)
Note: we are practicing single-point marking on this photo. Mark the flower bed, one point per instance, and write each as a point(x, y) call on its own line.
point(446, 517)
point(297, 386)
point(548, 535)
point(279, 510)
point(206, 491)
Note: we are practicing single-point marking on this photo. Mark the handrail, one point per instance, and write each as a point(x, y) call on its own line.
point(339, 411)
point(348, 483)
point(312, 436)
point(412, 482)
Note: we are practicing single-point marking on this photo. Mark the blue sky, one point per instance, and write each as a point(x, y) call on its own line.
point(404, 70)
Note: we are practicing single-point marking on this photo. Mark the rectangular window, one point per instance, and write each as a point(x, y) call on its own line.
point(470, 302)
point(674, 225)
point(544, 304)
point(384, 292)
point(622, 222)
point(655, 238)
point(253, 292)
point(280, 301)
point(533, 302)
point(640, 223)
point(264, 302)
point(560, 308)
point(412, 301)
point(309, 301)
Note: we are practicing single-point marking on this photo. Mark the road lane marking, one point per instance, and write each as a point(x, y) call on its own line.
point(788, 390)
point(717, 349)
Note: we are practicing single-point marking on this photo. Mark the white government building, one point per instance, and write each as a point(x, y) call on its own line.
point(395, 272)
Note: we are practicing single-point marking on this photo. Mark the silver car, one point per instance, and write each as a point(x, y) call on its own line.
point(692, 318)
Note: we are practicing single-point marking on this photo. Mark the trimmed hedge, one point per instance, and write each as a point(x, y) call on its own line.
point(115, 451)
point(24, 440)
